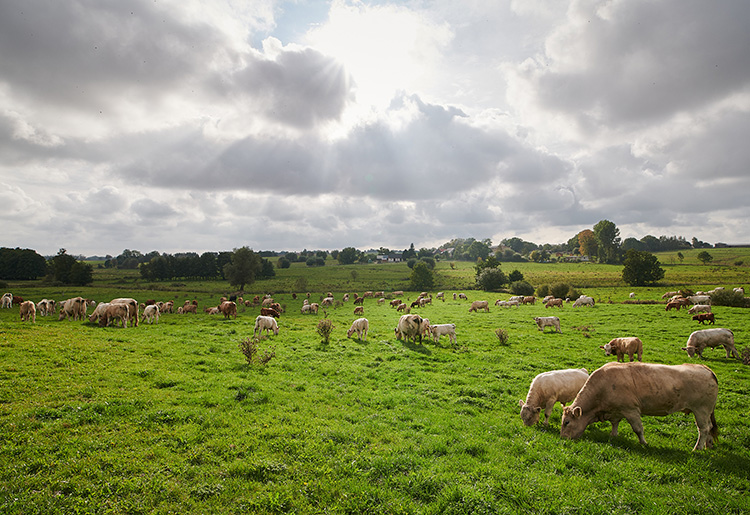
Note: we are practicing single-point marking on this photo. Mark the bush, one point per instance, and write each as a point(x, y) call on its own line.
point(558, 290)
point(249, 347)
point(430, 262)
point(315, 261)
point(729, 298)
point(543, 290)
point(411, 262)
point(502, 335)
point(325, 328)
point(491, 279)
point(514, 276)
point(521, 288)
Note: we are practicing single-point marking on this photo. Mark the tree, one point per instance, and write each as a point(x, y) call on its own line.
point(81, 274)
point(587, 243)
point(409, 253)
point(680, 256)
point(21, 264)
point(515, 276)
point(705, 257)
point(641, 267)
point(491, 279)
point(608, 242)
point(421, 277)
point(61, 266)
point(632, 243)
point(243, 268)
point(348, 256)
point(266, 269)
point(478, 249)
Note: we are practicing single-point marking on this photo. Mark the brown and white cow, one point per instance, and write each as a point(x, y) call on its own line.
point(27, 310)
point(630, 390)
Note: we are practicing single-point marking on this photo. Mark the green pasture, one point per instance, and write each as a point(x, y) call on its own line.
point(170, 417)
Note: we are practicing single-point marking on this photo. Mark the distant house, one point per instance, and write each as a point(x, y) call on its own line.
point(393, 257)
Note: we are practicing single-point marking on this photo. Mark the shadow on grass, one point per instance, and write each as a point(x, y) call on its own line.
point(417, 347)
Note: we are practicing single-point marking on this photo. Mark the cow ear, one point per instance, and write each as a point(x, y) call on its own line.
point(538, 409)
point(683, 348)
point(601, 346)
point(577, 411)
point(520, 403)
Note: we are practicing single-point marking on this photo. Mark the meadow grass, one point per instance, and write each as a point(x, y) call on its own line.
point(170, 417)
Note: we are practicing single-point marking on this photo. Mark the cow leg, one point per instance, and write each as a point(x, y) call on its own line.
point(634, 419)
point(548, 410)
point(615, 424)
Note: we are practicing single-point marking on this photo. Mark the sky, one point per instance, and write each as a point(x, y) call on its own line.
point(194, 126)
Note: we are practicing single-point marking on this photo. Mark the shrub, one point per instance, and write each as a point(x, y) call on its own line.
point(249, 347)
point(491, 279)
point(521, 288)
point(502, 335)
point(411, 262)
point(325, 328)
point(738, 262)
point(728, 298)
point(430, 262)
point(543, 290)
point(514, 276)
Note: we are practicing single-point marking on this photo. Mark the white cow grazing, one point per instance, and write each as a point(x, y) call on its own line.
point(150, 313)
point(548, 388)
point(699, 308)
point(712, 338)
point(699, 299)
point(45, 307)
point(439, 330)
point(583, 300)
point(542, 322)
point(7, 300)
point(98, 312)
point(265, 323)
point(359, 326)
point(630, 345)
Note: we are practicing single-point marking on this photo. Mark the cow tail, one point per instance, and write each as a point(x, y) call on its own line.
point(714, 426)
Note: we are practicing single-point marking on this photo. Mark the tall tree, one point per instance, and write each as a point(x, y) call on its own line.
point(587, 243)
point(608, 242)
point(641, 268)
point(244, 267)
point(421, 277)
point(348, 256)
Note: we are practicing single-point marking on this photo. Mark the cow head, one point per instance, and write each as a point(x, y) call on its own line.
point(529, 414)
point(607, 349)
point(690, 351)
point(573, 422)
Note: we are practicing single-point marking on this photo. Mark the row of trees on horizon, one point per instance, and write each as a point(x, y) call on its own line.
point(601, 243)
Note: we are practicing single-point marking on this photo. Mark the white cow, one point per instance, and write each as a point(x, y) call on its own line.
point(151, 313)
point(359, 326)
point(439, 330)
point(549, 388)
point(583, 300)
point(542, 322)
point(717, 337)
point(7, 300)
point(265, 323)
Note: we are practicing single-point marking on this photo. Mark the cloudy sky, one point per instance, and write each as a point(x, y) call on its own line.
point(206, 125)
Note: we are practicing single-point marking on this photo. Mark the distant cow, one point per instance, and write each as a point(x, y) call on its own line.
point(480, 304)
point(542, 322)
point(711, 338)
point(27, 310)
point(270, 312)
point(632, 346)
point(704, 317)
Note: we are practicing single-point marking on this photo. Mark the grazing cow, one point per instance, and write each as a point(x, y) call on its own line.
point(673, 305)
point(359, 310)
point(115, 311)
point(270, 312)
point(699, 299)
point(528, 300)
point(480, 304)
point(190, 308)
point(439, 330)
point(739, 290)
point(704, 317)
point(358, 301)
point(395, 302)
point(554, 302)
point(228, 309)
point(45, 307)
point(712, 338)
point(7, 300)
point(98, 312)
point(632, 295)
point(631, 345)
point(27, 310)
point(584, 300)
point(360, 326)
point(549, 388)
point(699, 308)
point(542, 322)
point(151, 313)
point(440, 295)
point(670, 294)
point(133, 308)
point(74, 308)
point(265, 323)
point(214, 310)
point(401, 307)
point(398, 292)
point(462, 296)
point(304, 309)
point(630, 390)
point(411, 327)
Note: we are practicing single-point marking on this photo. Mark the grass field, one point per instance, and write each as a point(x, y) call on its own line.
point(170, 417)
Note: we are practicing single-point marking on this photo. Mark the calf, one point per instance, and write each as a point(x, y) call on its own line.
point(360, 326)
point(622, 346)
point(704, 317)
point(549, 388)
point(27, 310)
point(439, 330)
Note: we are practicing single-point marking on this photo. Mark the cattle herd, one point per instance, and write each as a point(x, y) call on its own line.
point(618, 390)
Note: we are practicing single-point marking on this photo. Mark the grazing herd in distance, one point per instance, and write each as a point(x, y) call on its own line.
point(641, 388)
